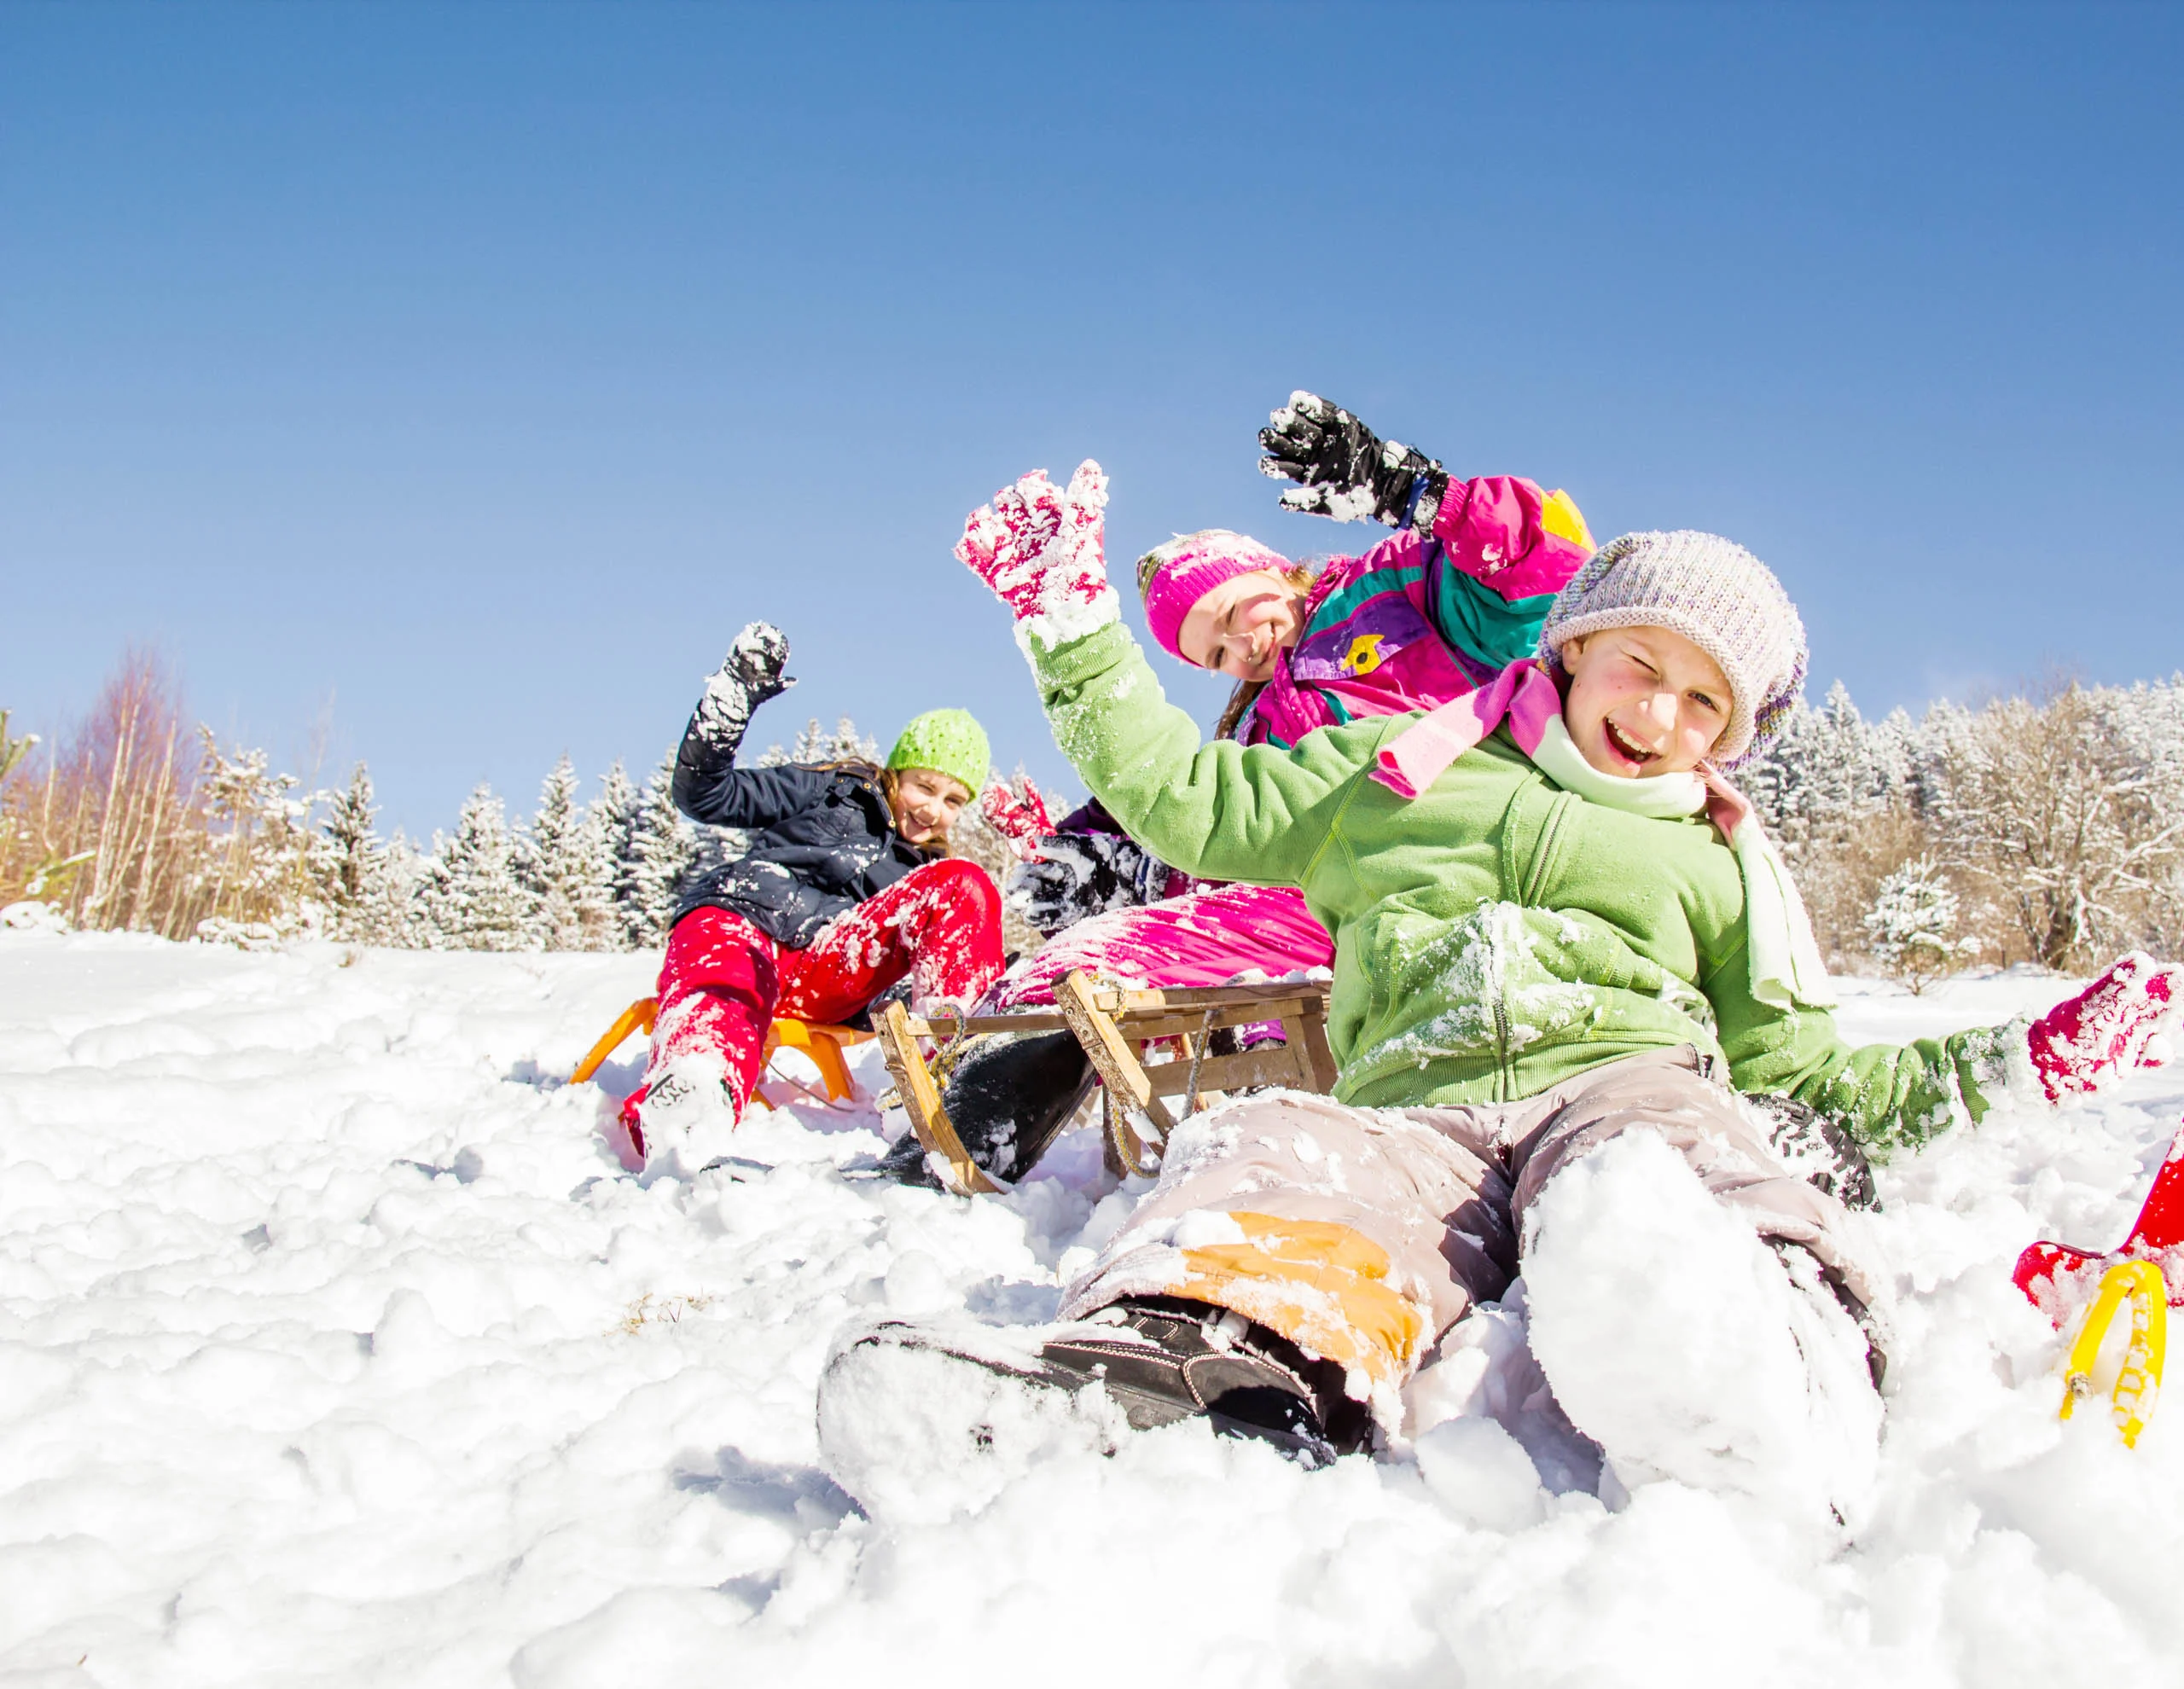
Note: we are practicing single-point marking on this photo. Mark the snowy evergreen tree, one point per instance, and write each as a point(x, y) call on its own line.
point(394, 915)
point(472, 898)
point(653, 859)
point(815, 743)
point(561, 859)
point(1912, 927)
point(613, 819)
point(350, 865)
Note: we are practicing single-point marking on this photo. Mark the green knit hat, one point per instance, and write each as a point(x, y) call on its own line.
point(950, 741)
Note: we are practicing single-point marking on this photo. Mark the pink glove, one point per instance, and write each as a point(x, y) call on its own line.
point(1042, 553)
point(2119, 1023)
point(1023, 822)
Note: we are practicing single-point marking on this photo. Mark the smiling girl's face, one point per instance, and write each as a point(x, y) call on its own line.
point(926, 803)
point(1643, 701)
point(1242, 626)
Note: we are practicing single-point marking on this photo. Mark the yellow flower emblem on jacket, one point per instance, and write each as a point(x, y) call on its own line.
point(1363, 655)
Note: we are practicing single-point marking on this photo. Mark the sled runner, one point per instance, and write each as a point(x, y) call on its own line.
point(823, 1044)
point(1115, 1027)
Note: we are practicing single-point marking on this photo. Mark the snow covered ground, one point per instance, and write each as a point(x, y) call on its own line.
point(337, 1348)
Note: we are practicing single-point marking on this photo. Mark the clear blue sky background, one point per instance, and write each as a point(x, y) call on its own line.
point(486, 367)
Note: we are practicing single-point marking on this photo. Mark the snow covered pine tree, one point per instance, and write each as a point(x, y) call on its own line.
point(472, 898)
point(561, 859)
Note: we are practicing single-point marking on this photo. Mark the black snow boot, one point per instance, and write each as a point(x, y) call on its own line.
point(1162, 1358)
point(1007, 1098)
point(1817, 1148)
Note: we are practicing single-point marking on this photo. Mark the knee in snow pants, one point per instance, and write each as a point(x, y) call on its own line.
point(1363, 1234)
point(723, 981)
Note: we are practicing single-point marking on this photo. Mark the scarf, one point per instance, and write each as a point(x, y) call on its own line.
point(1786, 970)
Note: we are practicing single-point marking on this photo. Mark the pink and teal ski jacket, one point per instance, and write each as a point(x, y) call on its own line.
point(1420, 619)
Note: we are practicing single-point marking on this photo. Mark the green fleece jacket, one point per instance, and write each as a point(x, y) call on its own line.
point(1496, 935)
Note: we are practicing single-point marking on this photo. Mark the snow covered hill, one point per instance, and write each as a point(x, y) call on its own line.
point(336, 1347)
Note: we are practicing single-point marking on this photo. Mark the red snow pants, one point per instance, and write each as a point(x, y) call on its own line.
point(723, 982)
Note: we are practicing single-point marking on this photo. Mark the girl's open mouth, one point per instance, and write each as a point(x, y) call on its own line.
point(1636, 755)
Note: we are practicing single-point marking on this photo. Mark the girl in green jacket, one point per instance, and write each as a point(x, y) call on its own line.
point(1562, 947)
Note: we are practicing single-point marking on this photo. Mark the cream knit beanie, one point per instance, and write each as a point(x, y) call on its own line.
point(1713, 592)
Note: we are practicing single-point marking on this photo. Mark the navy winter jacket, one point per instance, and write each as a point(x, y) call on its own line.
point(822, 840)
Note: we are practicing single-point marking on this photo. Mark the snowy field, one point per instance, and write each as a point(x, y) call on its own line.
point(337, 1348)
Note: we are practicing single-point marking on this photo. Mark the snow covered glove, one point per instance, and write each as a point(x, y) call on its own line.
point(1023, 822)
point(1345, 470)
point(1079, 875)
point(2120, 1023)
point(747, 676)
point(1043, 552)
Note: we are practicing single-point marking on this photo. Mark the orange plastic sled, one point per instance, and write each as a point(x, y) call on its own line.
point(824, 1044)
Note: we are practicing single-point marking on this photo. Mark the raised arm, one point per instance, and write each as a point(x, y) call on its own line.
point(1220, 811)
point(1506, 544)
point(708, 785)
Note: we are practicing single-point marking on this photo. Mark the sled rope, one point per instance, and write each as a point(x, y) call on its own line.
point(945, 1056)
point(1198, 1059)
point(1124, 1140)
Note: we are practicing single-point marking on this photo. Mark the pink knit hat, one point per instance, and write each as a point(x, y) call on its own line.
point(1174, 576)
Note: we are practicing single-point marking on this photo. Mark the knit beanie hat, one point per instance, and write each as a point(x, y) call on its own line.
point(1174, 576)
point(1713, 592)
point(950, 742)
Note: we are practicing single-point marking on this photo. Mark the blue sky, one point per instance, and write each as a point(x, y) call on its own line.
point(484, 368)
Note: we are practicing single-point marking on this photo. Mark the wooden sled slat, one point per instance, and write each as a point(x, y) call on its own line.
point(898, 1047)
point(1115, 1025)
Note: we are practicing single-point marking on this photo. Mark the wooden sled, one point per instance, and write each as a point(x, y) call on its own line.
point(1114, 1026)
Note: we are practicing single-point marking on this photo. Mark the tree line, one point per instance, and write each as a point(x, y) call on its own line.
point(2048, 828)
point(134, 824)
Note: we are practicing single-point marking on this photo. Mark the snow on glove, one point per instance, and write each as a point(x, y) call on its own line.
point(1043, 552)
point(1078, 875)
point(1345, 470)
point(1023, 822)
point(747, 676)
point(2117, 1024)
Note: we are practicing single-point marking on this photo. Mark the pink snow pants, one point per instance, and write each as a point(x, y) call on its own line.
point(1201, 938)
point(722, 981)
point(1363, 1234)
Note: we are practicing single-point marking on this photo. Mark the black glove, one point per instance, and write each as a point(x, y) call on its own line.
point(1076, 874)
point(1344, 469)
point(747, 676)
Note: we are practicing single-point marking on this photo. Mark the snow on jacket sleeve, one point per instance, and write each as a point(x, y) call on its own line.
point(1222, 811)
point(1887, 1096)
point(711, 789)
point(1506, 547)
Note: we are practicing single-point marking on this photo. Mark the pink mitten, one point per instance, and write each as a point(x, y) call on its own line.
point(1042, 553)
point(2119, 1023)
point(1023, 822)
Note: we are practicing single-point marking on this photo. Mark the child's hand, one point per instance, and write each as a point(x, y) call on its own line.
point(756, 660)
point(1042, 553)
point(2117, 1024)
point(747, 676)
point(1076, 875)
point(1023, 822)
point(1344, 469)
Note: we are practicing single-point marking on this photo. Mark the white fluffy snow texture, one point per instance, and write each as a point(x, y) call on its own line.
point(1673, 1335)
point(336, 1348)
